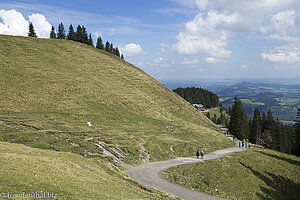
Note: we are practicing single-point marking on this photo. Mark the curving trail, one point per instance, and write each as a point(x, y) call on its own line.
point(149, 174)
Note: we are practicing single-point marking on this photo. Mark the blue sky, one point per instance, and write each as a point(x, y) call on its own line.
point(179, 39)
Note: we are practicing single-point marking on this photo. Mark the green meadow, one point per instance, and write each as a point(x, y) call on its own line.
point(51, 88)
point(66, 175)
point(253, 174)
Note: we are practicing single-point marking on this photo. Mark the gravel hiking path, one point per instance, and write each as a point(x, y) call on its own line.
point(149, 174)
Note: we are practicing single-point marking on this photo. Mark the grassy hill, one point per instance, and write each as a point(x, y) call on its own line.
point(253, 174)
point(51, 88)
point(65, 175)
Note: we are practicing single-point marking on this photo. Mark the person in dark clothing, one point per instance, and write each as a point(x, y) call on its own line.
point(197, 154)
point(202, 154)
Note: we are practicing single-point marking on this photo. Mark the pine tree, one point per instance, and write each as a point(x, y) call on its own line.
point(61, 31)
point(271, 126)
point(78, 34)
point(31, 32)
point(71, 33)
point(297, 132)
point(117, 52)
point(111, 48)
point(255, 128)
point(52, 33)
point(90, 40)
point(122, 56)
point(99, 44)
point(85, 38)
point(239, 125)
point(264, 122)
point(107, 46)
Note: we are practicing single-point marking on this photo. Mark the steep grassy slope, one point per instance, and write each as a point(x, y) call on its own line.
point(51, 88)
point(254, 174)
point(66, 175)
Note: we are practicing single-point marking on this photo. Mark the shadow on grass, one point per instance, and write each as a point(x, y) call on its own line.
point(293, 162)
point(279, 187)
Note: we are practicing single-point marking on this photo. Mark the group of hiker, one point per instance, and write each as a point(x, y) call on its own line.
point(198, 154)
point(244, 144)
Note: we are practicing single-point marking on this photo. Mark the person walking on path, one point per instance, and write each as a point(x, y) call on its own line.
point(239, 144)
point(197, 154)
point(202, 154)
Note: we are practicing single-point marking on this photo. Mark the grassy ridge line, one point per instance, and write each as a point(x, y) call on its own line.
point(30, 170)
point(253, 174)
point(59, 85)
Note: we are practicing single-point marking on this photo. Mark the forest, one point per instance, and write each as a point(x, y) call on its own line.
point(196, 95)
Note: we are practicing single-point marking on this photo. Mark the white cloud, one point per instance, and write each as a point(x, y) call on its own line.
point(218, 21)
point(164, 47)
point(130, 49)
point(201, 70)
point(97, 34)
point(282, 26)
point(189, 62)
point(200, 4)
point(13, 23)
point(204, 36)
point(244, 66)
point(158, 60)
point(284, 38)
point(212, 60)
point(41, 26)
point(283, 54)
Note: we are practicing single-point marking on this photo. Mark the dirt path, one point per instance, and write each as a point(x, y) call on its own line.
point(149, 174)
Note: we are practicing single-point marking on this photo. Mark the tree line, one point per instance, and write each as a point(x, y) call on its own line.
point(196, 95)
point(264, 130)
point(80, 35)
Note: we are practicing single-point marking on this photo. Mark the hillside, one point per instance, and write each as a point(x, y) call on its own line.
point(65, 175)
point(253, 174)
point(51, 88)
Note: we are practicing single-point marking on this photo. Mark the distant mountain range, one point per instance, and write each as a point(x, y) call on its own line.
point(223, 83)
point(281, 95)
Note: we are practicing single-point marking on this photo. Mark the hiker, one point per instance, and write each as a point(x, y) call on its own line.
point(239, 144)
point(249, 146)
point(197, 154)
point(202, 154)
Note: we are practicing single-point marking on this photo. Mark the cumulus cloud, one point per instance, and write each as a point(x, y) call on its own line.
point(189, 62)
point(212, 60)
point(210, 31)
point(282, 26)
point(283, 54)
point(202, 35)
point(41, 26)
point(14, 23)
point(130, 49)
